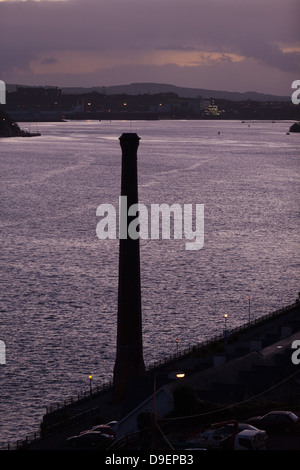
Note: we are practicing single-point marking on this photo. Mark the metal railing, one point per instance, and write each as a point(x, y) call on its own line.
point(219, 337)
point(81, 396)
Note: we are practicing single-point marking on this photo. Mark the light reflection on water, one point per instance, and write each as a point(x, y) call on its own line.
point(59, 282)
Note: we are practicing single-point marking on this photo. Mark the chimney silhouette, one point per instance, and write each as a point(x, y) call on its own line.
point(129, 359)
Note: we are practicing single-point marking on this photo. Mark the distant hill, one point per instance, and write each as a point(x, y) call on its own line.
point(155, 88)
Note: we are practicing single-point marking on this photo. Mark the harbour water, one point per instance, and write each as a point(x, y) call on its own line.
point(58, 298)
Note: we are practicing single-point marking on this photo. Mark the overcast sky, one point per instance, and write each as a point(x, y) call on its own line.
point(233, 45)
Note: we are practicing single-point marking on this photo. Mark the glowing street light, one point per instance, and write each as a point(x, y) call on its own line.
point(225, 326)
point(180, 375)
point(90, 378)
point(172, 375)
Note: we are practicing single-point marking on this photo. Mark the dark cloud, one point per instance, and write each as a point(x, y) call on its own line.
point(257, 30)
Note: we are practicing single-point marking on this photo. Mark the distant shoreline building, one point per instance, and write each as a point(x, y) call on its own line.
point(53, 104)
point(209, 108)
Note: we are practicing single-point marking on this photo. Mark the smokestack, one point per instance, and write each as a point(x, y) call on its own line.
point(129, 360)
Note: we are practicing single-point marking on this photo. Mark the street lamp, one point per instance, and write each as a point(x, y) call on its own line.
point(91, 378)
point(249, 299)
point(180, 375)
point(172, 375)
point(225, 325)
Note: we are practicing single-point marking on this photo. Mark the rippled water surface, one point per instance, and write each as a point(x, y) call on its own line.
point(58, 298)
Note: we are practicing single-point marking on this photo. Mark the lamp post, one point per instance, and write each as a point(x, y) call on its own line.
point(90, 378)
point(225, 326)
point(249, 299)
point(174, 375)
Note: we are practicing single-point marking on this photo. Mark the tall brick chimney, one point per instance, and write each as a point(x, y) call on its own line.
point(129, 359)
